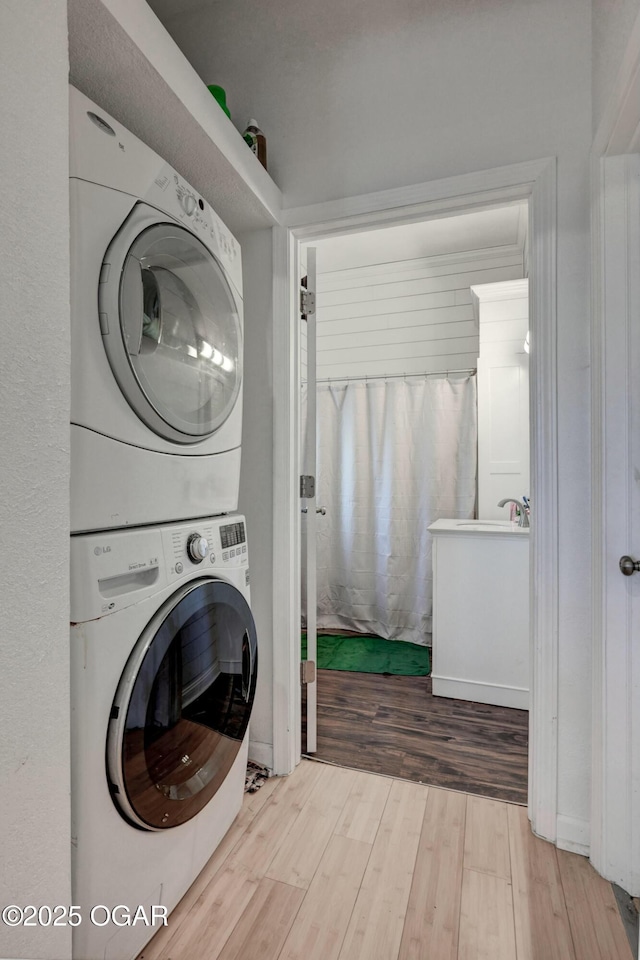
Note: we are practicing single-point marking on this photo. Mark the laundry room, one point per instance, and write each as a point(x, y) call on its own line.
point(168, 166)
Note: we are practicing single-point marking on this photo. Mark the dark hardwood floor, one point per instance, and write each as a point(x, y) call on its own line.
point(395, 726)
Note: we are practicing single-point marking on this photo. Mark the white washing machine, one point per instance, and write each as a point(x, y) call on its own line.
point(156, 336)
point(163, 676)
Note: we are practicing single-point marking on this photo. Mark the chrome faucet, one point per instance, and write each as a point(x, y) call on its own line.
point(523, 519)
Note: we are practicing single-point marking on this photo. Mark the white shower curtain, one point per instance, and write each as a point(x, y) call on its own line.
point(393, 456)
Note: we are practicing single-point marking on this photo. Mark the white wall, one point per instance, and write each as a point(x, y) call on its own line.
point(367, 96)
point(35, 845)
point(404, 317)
point(613, 21)
point(256, 474)
point(358, 97)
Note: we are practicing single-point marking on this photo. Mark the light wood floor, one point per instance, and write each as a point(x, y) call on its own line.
point(338, 864)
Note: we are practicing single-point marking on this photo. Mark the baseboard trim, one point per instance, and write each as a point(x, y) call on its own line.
point(261, 753)
point(574, 835)
point(494, 693)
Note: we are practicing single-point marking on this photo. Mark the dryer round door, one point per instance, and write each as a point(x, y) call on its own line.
point(171, 327)
point(182, 706)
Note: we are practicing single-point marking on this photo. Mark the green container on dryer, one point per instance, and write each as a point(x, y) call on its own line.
point(219, 94)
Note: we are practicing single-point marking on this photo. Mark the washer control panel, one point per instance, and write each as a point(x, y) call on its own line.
point(223, 543)
point(114, 569)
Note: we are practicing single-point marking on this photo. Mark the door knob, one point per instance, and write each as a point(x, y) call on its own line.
point(322, 510)
point(629, 566)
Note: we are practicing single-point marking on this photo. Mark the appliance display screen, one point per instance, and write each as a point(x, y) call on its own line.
point(232, 534)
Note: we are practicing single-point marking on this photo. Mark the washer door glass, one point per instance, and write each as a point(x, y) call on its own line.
point(181, 333)
point(183, 705)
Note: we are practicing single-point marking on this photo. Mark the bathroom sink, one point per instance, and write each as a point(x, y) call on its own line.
point(488, 527)
point(485, 523)
point(491, 526)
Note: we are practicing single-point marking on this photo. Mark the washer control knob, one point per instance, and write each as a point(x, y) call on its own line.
point(197, 547)
point(188, 204)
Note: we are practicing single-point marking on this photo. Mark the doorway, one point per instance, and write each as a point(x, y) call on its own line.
point(402, 312)
point(535, 182)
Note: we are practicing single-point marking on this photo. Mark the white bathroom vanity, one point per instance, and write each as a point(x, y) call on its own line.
point(481, 611)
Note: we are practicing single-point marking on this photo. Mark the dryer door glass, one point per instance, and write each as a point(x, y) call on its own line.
point(183, 706)
point(180, 335)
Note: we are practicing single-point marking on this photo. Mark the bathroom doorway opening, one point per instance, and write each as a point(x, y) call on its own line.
point(422, 398)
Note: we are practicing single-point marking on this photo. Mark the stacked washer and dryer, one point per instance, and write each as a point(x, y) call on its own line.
point(163, 642)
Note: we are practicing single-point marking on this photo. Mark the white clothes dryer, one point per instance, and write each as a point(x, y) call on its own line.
point(163, 676)
point(156, 336)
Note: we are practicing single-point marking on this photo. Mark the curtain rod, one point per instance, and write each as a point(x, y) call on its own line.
point(397, 376)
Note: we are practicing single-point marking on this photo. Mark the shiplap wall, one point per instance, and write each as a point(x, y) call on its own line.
point(404, 317)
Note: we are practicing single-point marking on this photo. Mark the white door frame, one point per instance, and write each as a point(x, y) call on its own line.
point(534, 181)
point(615, 181)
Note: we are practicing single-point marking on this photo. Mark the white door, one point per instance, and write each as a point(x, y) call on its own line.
point(615, 846)
point(308, 501)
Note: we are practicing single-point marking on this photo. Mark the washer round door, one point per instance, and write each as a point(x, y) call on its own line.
point(171, 327)
point(183, 705)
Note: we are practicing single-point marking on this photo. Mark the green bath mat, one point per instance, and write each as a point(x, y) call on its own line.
point(370, 655)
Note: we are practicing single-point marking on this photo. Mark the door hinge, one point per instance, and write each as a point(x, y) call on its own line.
point(307, 671)
point(307, 303)
point(307, 486)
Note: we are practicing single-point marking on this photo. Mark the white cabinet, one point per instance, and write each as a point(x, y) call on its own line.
point(481, 612)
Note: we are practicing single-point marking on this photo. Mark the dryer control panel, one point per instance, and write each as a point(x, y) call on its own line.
point(104, 152)
point(170, 192)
